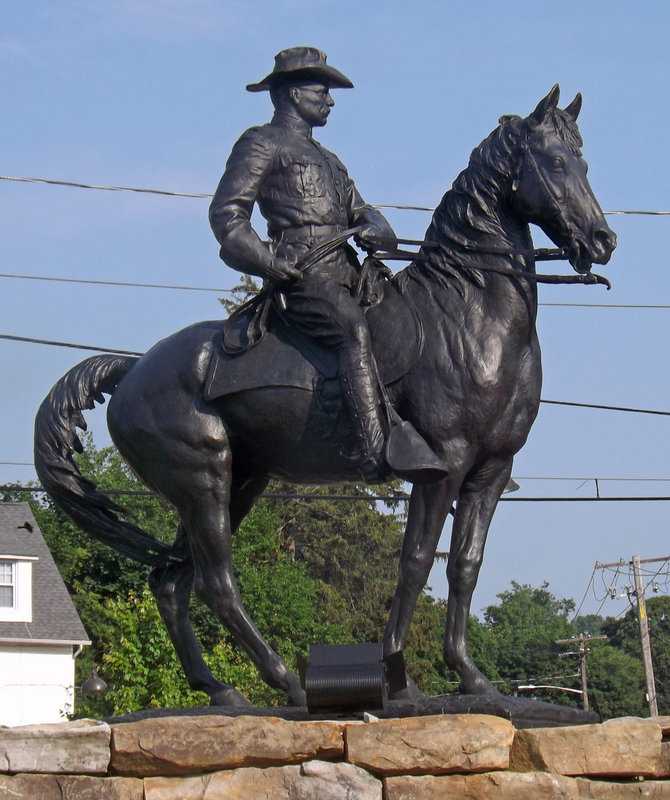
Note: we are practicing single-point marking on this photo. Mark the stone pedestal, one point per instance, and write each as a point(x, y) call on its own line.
point(477, 756)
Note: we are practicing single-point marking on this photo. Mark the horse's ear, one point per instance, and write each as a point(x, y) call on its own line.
point(575, 107)
point(545, 106)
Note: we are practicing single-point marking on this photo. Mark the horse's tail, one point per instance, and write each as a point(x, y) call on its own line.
point(56, 441)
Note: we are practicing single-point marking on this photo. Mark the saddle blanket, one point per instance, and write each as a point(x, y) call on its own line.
point(285, 357)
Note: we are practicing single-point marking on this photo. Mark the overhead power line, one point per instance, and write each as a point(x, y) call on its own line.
point(432, 208)
point(206, 196)
point(607, 305)
point(114, 351)
point(231, 291)
point(605, 407)
point(77, 185)
point(117, 283)
point(571, 479)
point(392, 498)
point(117, 351)
point(592, 478)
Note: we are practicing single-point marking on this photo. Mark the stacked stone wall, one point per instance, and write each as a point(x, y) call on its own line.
point(211, 757)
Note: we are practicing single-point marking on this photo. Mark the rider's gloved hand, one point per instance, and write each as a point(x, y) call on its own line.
point(371, 238)
point(281, 271)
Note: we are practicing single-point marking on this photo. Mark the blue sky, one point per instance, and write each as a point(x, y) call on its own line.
point(150, 93)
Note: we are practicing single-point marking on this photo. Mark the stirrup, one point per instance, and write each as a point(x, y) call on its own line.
point(409, 457)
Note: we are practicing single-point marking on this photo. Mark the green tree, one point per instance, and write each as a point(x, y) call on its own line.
point(349, 546)
point(616, 683)
point(589, 624)
point(142, 668)
point(240, 294)
point(523, 630)
point(284, 601)
point(624, 634)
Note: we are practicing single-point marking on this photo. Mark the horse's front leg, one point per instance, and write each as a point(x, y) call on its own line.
point(474, 510)
point(428, 509)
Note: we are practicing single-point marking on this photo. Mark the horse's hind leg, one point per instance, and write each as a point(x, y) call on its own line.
point(209, 519)
point(172, 586)
point(196, 475)
point(181, 449)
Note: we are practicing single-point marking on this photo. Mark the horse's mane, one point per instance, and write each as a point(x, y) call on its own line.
point(470, 210)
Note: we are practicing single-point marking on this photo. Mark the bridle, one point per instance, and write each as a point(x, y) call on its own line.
point(537, 254)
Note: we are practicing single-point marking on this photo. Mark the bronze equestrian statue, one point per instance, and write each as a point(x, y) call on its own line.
point(455, 345)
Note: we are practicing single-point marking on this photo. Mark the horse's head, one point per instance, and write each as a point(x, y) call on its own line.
point(550, 187)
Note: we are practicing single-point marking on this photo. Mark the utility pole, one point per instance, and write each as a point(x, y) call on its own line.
point(583, 650)
point(644, 625)
point(644, 638)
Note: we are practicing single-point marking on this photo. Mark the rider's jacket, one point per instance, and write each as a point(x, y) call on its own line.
point(302, 190)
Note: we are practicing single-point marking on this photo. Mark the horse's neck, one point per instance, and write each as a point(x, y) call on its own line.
point(459, 278)
point(472, 236)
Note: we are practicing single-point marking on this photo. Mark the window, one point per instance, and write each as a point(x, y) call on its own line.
point(7, 584)
point(16, 590)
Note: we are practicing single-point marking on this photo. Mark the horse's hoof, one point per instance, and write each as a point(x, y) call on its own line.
point(295, 696)
point(410, 694)
point(229, 697)
point(477, 684)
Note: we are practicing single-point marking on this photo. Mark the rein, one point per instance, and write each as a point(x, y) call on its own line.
point(538, 254)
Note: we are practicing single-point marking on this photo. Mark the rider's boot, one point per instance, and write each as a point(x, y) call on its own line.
point(401, 452)
point(362, 398)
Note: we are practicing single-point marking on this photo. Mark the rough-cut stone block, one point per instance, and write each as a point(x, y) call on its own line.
point(615, 749)
point(434, 745)
point(188, 745)
point(69, 787)
point(662, 722)
point(663, 765)
point(655, 790)
point(35, 787)
point(313, 780)
point(519, 786)
point(80, 747)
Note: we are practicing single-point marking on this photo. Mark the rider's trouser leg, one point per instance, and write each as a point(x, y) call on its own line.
point(327, 312)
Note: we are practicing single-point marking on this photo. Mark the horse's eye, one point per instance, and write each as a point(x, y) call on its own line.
point(557, 163)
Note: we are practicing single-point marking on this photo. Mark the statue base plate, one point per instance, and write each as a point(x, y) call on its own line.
point(522, 712)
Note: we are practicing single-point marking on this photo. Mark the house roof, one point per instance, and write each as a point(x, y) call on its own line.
point(54, 615)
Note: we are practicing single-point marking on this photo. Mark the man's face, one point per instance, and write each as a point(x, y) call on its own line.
point(313, 102)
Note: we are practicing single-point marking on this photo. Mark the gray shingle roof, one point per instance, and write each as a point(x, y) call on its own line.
point(54, 615)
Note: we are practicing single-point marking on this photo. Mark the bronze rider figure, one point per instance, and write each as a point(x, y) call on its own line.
point(306, 196)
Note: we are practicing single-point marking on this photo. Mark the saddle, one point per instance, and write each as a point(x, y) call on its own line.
point(285, 357)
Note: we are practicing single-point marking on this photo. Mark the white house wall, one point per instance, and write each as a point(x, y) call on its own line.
point(36, 684)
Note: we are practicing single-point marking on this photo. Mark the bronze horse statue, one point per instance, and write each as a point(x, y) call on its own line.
point(471, 389)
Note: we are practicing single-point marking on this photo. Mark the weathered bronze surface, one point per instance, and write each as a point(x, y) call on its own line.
point(471, 389)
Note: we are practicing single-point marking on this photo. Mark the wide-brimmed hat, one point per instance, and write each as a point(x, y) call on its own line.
point(302, 63)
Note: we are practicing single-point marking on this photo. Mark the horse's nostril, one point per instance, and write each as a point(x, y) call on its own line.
point(605, 240)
